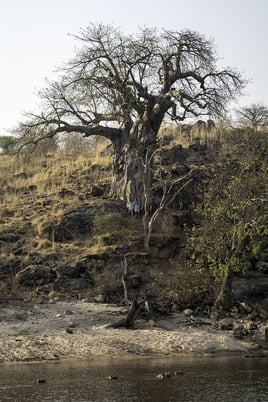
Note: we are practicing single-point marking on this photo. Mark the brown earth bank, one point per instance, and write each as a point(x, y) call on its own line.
point(36, 330)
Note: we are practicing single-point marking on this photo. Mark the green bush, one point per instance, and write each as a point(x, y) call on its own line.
point(111, 223)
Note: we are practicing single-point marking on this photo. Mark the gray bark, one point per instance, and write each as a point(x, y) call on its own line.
point(132, 174)
point(224, 300)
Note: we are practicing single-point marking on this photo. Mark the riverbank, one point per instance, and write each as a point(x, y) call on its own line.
point(33, 330)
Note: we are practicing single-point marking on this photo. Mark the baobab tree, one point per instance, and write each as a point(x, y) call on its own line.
point(122, 87)
point(254, 116)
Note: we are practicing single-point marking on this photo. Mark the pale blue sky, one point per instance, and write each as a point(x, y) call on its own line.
point(34, 39)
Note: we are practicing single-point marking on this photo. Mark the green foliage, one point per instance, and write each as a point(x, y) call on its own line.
point(233, 231)
point(112, 222)
point(8, 143)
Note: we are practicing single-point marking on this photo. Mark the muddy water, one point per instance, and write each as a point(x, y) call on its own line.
point(215, 379)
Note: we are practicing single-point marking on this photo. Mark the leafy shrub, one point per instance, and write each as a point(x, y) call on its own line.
point(112, 222)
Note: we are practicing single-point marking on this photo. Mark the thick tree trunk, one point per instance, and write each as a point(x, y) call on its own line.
point(127, 182)
point(131, 171)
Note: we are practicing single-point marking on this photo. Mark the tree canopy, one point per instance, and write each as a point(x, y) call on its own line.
point(123, 86)
point(254, 116)
point(8, 143)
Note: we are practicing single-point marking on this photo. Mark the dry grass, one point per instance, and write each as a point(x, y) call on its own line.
point(30, 191)
point(185, 134)
point(30, 196)
point(49, 172)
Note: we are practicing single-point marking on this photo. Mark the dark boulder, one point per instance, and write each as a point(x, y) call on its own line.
point(92, 262)
point(173, 155)
point(8, 237)
point(179, 170)
point(262, 266)
point(71, 278)
point(67, 271)
point(35, 275)
point(61, 278)
point(97, 191)
point(64, 192)
point(55, 232)
point(251, 287)
point(78, 221)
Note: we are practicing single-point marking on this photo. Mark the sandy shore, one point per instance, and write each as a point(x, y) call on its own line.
point(34, 331)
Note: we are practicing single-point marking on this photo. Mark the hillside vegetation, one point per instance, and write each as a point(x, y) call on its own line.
point(61, 234)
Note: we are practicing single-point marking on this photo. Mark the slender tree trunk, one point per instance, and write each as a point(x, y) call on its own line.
point(149, 308)
point(127, 297)
point(148, 228)
point(167, 197)
point(224, 300)
point(147, 188)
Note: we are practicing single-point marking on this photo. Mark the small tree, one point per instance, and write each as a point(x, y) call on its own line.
point(75, 144)
point(233, 231)
point(29, 143)
point(8, 143)
point(254, 116)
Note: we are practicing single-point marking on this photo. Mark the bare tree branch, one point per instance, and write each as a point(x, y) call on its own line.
point(122, 87)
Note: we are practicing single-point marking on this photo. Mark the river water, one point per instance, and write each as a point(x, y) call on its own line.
point(215, 379)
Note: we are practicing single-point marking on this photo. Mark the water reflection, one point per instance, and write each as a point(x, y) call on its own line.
point(226, 379)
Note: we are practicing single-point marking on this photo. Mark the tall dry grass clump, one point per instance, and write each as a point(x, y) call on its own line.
point(184, 134)
point(35, 188)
